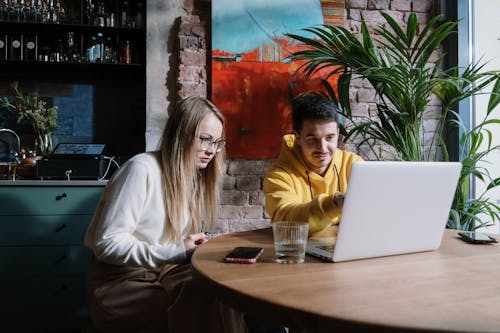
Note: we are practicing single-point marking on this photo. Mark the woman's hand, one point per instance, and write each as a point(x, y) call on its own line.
point(192, 241)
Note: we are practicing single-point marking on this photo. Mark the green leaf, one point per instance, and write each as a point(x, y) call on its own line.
point(343, 85)
point(411, 28)
point(396, 28)
point(365, 34)
point(494, 97)
point(494, 183)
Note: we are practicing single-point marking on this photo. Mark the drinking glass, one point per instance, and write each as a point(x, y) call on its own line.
point(290, 240)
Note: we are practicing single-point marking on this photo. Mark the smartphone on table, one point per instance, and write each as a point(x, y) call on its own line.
point(244, 255)
point(476, 237)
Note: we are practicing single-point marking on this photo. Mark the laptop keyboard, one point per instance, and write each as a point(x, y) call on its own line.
point(328, 248)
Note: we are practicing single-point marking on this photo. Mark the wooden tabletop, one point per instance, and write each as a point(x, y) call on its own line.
point(453, 289)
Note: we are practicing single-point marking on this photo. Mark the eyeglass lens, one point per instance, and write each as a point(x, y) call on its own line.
point(207, 143)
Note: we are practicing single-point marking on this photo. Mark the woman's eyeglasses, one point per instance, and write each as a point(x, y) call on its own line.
point(207, 143)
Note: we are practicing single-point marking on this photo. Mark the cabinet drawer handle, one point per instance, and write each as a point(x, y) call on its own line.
point(61, 227)
point(59, 197)
point(63, 288)
point(61, 259)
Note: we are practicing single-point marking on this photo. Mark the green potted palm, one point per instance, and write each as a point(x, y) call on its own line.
point(396, 64)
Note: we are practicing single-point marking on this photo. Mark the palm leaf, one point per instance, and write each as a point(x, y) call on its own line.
point(494, 97)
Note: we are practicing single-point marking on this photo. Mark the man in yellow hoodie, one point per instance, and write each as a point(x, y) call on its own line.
point(308, 180)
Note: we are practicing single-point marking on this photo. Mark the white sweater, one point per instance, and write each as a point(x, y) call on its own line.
point(128, 227)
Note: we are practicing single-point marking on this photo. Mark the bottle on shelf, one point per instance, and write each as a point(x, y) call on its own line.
point(72, 52)
point(125, 52)
point(91, 49)
point(17, 10)
point(100, 17)
point(139, 16)
point(16, 47)
point(100, 48)
point(37, 9)
point(89, 12)
point(60, 12)
point(124, 14)
point(109, 51)
point(111, 20)
point(58, 54)
point(31, 47)
point(3, 11)
point(29, 13)
point(51, 11)
point(45, 13)
point(10, 11)
point(52, 16)
point(43, 53)
point(95, 49)
point(3, 46)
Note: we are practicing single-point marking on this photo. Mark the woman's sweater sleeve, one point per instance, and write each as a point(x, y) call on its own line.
point(112, 235)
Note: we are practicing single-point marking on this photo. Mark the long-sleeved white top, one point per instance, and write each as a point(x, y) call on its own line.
point(128, 227)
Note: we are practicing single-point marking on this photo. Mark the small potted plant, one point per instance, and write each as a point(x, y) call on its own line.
point(31, 108)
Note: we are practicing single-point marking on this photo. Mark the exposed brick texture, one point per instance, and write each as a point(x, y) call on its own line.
point(378, 4)
point(192, 79)
point(423, 6)
point(242, 200)
point(401, 5)
point(356, 3)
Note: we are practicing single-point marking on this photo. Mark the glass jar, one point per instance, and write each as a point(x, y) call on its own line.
point(125, 52)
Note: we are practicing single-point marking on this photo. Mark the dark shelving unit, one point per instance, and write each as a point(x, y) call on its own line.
point(110, 91)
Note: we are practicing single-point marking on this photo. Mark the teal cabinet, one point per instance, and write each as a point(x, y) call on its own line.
point(43, 262)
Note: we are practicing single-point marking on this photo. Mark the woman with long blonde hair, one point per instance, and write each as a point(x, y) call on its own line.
point(148, 224)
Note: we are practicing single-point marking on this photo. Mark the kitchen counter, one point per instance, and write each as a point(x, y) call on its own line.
point(38, 182)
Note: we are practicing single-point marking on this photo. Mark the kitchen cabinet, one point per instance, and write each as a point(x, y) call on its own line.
point(43, 262)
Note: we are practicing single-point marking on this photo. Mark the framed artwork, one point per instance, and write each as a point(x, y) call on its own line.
point(253, 79)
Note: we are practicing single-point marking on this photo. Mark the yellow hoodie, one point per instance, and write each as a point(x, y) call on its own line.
point(295, 194)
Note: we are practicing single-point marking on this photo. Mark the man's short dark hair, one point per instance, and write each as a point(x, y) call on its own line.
point(312, 107)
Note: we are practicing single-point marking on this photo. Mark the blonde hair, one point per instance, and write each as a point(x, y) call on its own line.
point(189, 190)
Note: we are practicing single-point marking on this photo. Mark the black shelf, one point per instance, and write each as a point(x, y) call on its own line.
point(14, 26)
point(69, 66)
point(101, 102)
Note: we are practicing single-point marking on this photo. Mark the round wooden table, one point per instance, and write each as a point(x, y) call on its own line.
point(453, 289)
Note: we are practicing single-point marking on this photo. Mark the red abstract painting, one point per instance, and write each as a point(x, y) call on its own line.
point(253, 80)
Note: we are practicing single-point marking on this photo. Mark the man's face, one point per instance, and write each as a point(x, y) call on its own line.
point(318, 143)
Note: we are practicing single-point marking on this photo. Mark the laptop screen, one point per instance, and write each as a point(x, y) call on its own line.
point(78, 150)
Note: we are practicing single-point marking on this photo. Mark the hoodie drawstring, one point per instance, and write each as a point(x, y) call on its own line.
point(309, 182)
point(338, 181)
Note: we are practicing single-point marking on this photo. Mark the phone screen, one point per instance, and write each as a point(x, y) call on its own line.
point(476, 237)
point(244, 254)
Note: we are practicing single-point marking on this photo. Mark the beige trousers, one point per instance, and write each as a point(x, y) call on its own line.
point(132, 299)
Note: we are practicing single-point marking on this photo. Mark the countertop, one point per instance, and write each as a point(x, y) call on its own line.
point(37, 182)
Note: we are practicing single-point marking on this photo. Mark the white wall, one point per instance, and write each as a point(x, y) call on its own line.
point(160, 42)
point(486, 45)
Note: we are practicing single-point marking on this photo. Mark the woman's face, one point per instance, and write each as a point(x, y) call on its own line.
point(210, 132)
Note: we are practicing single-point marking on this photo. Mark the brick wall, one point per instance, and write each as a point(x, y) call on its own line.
point(242, 198)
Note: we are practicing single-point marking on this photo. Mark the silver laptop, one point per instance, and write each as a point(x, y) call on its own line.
point(392, 208)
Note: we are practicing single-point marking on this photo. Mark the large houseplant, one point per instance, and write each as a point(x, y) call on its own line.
point(396, 63)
